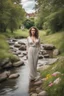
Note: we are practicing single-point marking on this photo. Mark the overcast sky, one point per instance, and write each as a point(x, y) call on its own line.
point(28, 5)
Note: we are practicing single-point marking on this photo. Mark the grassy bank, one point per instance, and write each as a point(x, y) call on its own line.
point(4, 47)
point(54, 89)
point(17, 33)
point(57, 39)
point(48, 84)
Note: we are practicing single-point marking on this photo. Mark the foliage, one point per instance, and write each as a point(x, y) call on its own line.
point(39, 23)
point(56, 39)
point(28, 23)
point(11, 15)
point(53, 10)
point(52, 88)
point(55, 21)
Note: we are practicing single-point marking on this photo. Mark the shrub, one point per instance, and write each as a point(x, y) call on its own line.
point(28, 23)
point(55, 21)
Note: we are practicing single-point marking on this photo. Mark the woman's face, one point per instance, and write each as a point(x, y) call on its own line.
point(33, 31)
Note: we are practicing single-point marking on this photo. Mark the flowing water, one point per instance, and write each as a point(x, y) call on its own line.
point(18, 86)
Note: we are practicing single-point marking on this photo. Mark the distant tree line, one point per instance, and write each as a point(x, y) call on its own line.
point(11, 15)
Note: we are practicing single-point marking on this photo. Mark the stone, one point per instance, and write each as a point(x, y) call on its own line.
point(56, 52)
point(14, 59)
point(46, 56)
point(17, 52)
point(8, 65)
point(21, 55)
point(16, 45)
point(11, 47)
point(38, 83)
point(22, 47)
point(24, 53)
point(57, 81)
point(20, 42)
point(43, 93)
point(17, 64)
point(7, 73)
point(48, 46)
point(40, 56)
point(14, 40)
point(34, 94)
point(14, 50)
point(38, 89)
point(5, 61)
point(11, 43)
point(43, 52)
point(13, 76)
point(3, 77)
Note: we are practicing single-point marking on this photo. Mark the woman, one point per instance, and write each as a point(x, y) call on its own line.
point(33, 47)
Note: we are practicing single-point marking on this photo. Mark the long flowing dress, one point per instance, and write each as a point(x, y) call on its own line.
point(33, 49)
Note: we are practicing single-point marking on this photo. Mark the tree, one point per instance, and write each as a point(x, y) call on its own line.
point(48, 7)
point(28, 23)
point(11, 14)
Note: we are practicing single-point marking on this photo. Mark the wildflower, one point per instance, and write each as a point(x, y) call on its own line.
point(51, 84)
point(48, 76)
point(56, 73)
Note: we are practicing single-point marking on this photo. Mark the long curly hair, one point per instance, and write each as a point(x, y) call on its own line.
point(36, 32)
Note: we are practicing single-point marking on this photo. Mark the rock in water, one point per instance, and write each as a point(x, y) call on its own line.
point(13, 76)
point(43, 93)
point(17, 64)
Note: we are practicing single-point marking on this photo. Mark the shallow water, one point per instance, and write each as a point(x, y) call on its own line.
point(18, 86)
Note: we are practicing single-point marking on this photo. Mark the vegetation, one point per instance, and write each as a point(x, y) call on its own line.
point(50, 19)
point(28, 23)
point(48, 85)
point(4, 47)
point(50, 15)
point(55, 39)
point(52, 38)
point(11, 15)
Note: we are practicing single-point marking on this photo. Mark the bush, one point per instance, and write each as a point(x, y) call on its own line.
point(48, 32)
point(39, 23)
point(55, 21)
point(45, 26)
point(28, 23)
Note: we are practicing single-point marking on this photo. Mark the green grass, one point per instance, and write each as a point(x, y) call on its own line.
point(17, 33)
point(20, 33)
point(56, 89)
point(56, 39)
point(4, 47)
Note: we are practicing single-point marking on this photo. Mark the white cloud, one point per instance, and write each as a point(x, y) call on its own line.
point(28, 5)
point(29, 10)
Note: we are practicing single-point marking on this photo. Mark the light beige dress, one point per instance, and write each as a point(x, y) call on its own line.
point(33, 49)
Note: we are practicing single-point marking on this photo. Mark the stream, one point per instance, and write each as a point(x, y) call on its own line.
point(20, 85)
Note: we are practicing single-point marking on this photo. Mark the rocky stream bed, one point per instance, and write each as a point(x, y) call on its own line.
point(14, 73)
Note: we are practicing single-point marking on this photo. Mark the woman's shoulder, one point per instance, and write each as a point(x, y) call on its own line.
point(29, 39)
